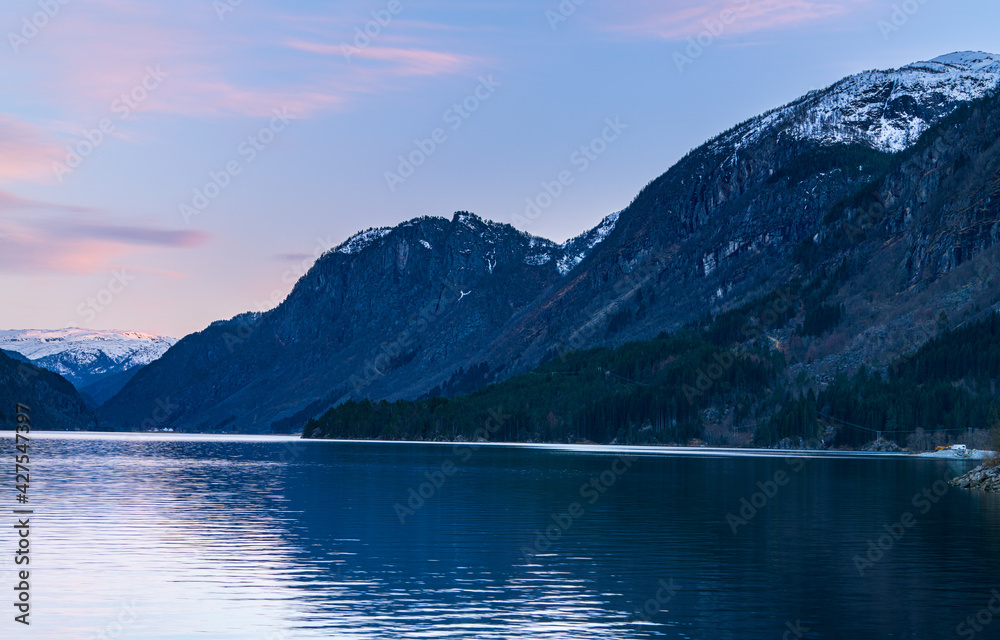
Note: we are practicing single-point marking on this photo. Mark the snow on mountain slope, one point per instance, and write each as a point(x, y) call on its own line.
point(572, 252)
point(566, 255)
point(85, 355)
point(885, 110)
point(576, 249)
point(359, 241)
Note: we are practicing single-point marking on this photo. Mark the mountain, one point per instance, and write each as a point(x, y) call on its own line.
point(877, 195)
point(54, 403)
point(14, 355)
point(98, 363)
point(884, 110)
point(422, 298)
point(777, 198)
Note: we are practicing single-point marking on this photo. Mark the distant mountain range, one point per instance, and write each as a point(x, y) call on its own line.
point(97, 362)
point(884, 188)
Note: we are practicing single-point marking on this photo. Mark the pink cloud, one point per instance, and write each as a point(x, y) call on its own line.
point(398, 60)
point(208, 97)
point(129, 235)
point(417, 62)
point(102, 65)
point(25, 254)
point(26, 151)
point(10, 202)
point(683, 20)
point(214, 68)
point(40, 237)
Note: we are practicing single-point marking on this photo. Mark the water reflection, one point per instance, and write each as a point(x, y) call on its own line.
point(254, 538)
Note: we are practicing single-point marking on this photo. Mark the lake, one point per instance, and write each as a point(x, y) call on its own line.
point(184, 537)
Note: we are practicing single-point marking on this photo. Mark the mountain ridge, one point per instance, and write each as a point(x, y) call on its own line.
point(433, 304)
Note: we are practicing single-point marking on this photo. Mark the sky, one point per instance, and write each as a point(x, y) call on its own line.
point(165, 164)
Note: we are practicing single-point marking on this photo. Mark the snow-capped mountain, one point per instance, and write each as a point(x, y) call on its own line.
point(423, 295)
point(884, 110)
point(86, 356)
point(565, 256)
point(438, 304)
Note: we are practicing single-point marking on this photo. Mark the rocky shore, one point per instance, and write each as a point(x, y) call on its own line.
point(982, 477)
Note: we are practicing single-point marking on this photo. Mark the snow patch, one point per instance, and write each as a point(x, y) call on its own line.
point(578, 248)
point(427, 245)
point(709, 263)
point(538, 260)
point(568, 263)
point(469, 221)
point(605, 228)
point(358, 242)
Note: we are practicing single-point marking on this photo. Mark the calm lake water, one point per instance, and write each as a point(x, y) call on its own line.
point(269, 538)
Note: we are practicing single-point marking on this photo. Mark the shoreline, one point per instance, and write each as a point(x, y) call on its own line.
point(979, 479)
point(974, 454)
point(948, 455)
point(684, 450)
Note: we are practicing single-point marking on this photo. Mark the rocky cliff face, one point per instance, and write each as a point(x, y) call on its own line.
point(438, 305)
point(724, 223)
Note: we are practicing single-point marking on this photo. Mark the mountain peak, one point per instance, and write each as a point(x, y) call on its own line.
point(466, 216)
point(484, 235)
point(886, 110)
point(971, 60)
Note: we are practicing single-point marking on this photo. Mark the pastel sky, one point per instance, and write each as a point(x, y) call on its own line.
point(164, 164)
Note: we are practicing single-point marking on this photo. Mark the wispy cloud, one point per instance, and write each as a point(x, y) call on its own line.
point(396, 61)
point(687, 18)
point(10, 202)
point(41, 237)
point(293, 257)
point(26, 151)
point(127, 234)
point(218, 68)
point(100, 62)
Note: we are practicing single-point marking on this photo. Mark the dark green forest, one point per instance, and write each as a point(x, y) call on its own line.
point(948, 385)
point(640, 392)
point(657, 391)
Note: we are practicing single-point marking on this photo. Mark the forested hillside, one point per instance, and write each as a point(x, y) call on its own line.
point(54, 402)
point(675, 388)
point(642, 392)
point(948, 387)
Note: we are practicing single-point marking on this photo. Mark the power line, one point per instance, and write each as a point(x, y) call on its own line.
point(871, 430)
